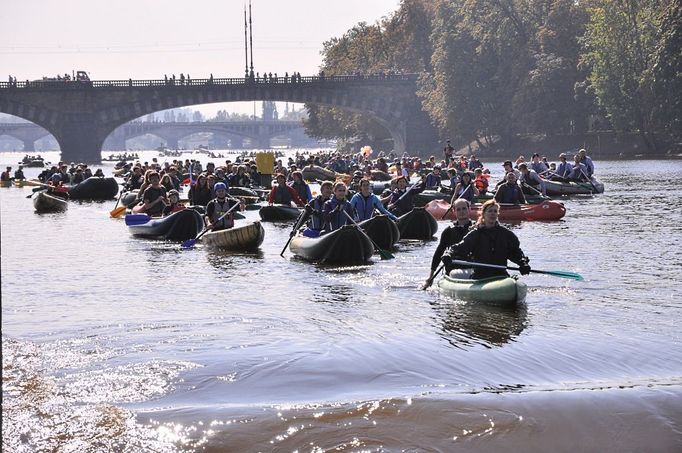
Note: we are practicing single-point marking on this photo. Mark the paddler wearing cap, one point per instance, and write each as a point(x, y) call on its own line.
point(174, 204)
point(283, 194)
point(563, 170)
point(219, 206)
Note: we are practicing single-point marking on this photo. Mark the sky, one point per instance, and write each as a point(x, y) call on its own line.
point(146, 39)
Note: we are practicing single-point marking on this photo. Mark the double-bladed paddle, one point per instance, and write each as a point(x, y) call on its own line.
point(560, 274)
point(190, 242)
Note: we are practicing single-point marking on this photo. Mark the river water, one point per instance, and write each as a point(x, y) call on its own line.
point(112, 343)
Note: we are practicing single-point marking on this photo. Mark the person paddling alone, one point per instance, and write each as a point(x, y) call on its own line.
point(219, 206)
point(451, 235)
point(489, 243)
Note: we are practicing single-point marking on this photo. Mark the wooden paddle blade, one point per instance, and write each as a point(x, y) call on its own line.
point(116, 213)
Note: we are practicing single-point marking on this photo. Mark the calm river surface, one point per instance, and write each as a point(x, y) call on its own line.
point(111, 343)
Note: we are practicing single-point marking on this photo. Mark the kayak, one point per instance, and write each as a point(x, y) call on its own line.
point(242, 192)
point(547, 210)
point(492, 290)
point(44, 202)
point(574, 188)
point(417, 224)
point(278, 212)
point(241, 238)
point(382, 230)
point(346, 245)
point(94, 188)
point(179, 226)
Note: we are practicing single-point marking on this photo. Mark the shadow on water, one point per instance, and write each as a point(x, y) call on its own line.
point(463, 323)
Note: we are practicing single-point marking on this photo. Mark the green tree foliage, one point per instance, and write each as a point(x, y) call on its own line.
point(620, 41)
point(400, 42)
point(505, 66)
point(666, 73)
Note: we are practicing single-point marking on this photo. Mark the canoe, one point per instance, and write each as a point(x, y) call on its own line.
point(278, 212)
point(20, 183)
point(242, 238)
point(417, 224)
point(314, 172)
point(95, 188)
point(546, 211)
point(346, 245)
point(179, 226)
point(44, 202)
point(382, 230)
point(6, 183)
point(36, 163)
point(530, 199)
point(493, 290)
point(574, 188)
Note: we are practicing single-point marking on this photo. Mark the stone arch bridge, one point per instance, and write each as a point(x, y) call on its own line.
point(82, 114)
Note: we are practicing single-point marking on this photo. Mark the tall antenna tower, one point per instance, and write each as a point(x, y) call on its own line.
point(246, 48)
point(251, 37)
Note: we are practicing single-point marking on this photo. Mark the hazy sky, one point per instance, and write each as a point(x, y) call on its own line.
point(146, 39)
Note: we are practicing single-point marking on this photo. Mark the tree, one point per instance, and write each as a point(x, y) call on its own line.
point(620, 41)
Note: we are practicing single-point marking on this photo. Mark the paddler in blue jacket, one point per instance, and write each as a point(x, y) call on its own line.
point(334, 217)
point(433, 180)
point(315, 209)
point(365, 202)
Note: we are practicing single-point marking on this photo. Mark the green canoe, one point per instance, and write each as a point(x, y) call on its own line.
point(493, 290)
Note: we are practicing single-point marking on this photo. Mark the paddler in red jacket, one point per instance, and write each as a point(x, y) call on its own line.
point(283, 194)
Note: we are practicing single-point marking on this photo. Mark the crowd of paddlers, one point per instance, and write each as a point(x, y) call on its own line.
point(365, 204)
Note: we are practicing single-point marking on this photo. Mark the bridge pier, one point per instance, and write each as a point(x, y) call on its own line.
point(29, 145)
point(80, 141)
point(172, 143)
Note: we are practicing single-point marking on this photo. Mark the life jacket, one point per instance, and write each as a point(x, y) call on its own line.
point(282, 196)
point(481, 182)
point(221, 208)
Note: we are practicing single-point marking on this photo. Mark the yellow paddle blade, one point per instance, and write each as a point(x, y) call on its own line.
point(118, 212)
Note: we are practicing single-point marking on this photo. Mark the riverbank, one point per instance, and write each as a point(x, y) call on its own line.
point(603, 145)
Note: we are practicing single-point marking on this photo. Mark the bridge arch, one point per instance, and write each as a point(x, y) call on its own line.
point(81, 116)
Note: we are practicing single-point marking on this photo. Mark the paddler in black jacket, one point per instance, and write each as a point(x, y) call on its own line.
point(489, 243)
point(451, 235)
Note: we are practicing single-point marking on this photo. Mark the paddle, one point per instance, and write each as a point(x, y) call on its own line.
point(190, 242)
point(137, 219)
point(589, 180)
point(429, 281)
point(419, 181)
point(33, 192)
point(301, 218)
point(117, 211)
point(385, 255)
point(560, 274)
point(453, 203)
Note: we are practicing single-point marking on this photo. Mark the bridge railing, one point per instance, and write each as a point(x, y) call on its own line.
point(174, 83)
